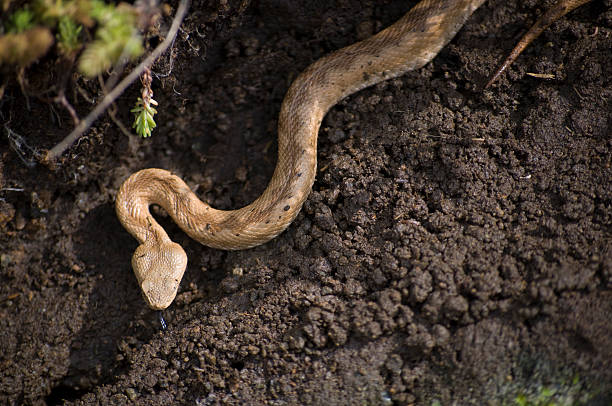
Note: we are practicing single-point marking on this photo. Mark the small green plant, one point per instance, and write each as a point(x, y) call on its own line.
point(564, 392)
point(68, 35)
point(144, 122)
point(144, 112)
point(22, 20)
point(544, 398)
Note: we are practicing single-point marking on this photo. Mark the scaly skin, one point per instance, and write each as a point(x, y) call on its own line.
point(159, 263)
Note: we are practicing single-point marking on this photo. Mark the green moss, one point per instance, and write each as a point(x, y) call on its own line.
point(21, 21)
point(564, 393)
point(68, 35)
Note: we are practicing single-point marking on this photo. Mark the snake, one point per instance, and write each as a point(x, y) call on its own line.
point(408, 44)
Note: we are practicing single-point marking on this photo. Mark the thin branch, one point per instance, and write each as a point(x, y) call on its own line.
point(112, 112)
point(61, 99)
point(86, 123)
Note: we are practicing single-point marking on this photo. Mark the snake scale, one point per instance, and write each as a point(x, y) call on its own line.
point(408, 44)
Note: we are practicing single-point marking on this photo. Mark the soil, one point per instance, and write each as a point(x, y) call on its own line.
point(456, 247)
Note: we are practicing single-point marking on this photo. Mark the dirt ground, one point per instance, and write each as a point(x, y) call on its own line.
point(456, 247)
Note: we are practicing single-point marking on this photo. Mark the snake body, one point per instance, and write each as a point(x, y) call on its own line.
point(159, 263)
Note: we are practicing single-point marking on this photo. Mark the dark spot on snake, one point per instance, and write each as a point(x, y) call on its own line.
point(237, 235)
point(267, 221)
point(299, 174)
point(286, 208)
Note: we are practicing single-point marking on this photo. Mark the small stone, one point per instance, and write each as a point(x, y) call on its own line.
point(131, 394)
point(20, 222)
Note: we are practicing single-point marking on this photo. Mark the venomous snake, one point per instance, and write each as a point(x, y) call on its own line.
point(410, 43)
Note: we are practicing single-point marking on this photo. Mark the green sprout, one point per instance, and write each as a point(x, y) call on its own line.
point(68, 35)
point(144, 122)
point(20, 21)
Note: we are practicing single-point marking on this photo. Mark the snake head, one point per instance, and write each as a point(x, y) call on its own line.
point(159, 268)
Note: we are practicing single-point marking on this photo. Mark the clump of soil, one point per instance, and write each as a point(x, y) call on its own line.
point(457, 245)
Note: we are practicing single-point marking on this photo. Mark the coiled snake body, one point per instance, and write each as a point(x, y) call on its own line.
point(159, 263)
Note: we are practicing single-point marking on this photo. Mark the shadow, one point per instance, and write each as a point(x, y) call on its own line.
point(113, 306)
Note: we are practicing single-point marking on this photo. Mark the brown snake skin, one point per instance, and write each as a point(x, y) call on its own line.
point(159, 263)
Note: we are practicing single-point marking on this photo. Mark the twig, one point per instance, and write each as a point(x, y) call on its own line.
point(112, 112)
point(550, 16)
point(84, 125)
point(61, 99)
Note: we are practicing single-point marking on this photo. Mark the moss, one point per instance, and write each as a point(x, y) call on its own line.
point(68, 35)
point(21, 21)
point(26, 47)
